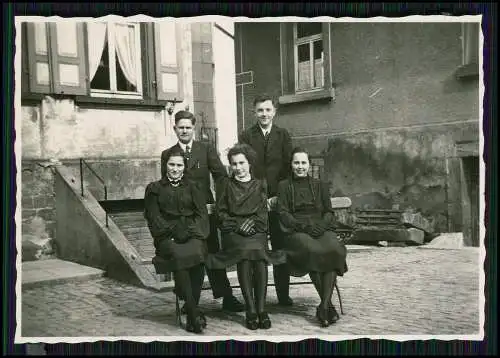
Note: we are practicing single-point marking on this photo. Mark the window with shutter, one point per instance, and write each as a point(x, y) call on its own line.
point(305, 62)
point(105, 63)
point(167, 42)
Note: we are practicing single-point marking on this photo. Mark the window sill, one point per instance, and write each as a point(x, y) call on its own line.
point(34, 99)
point(470, 70)
point(121, 103)
point(328, 93)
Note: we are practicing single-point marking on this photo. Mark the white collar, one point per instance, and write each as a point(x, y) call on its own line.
point(264, 131)
point(183, 146)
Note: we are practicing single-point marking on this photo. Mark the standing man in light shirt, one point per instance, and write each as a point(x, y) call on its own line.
point(273, 146)
point(202, 160)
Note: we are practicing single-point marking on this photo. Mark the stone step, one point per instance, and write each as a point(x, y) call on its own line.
point(55, 271)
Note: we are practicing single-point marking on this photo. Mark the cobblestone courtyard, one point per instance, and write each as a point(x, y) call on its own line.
point(387, 291)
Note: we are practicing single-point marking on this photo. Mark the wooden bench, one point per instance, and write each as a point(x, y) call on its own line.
point(341, 206)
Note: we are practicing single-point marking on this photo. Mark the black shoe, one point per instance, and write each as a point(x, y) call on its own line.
point(252, 321)
point(264, 321)
point(232, 304)
point(194, 325)
point(285, 301)
point(333, 316)
point(322, 316)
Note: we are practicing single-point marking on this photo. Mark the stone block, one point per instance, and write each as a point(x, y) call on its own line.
point(43, 201)
point(416, 220)
point(27, 202)
point(36, 227)
point(48, 214)
point(451, 240)
point(28, 213)
point(375, 235)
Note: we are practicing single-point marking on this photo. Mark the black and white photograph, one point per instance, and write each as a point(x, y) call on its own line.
point(274, 179)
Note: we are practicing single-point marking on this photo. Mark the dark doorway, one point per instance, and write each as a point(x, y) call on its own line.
point(470, 200)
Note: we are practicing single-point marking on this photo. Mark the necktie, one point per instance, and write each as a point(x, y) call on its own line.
point(188, 152)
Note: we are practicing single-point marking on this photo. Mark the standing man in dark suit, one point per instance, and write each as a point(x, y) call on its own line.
point(202, 160)
point(273, 146)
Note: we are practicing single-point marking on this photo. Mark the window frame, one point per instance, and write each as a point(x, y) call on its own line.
point(289, 67)
point(310, 40)
point(114, 93)
point(150, 97)
point(469, 68)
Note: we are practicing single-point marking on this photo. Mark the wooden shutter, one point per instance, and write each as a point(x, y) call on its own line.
point(68, 61)
point(168, 61)
point(38, 65)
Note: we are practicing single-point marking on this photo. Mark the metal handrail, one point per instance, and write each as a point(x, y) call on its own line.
point(83, 161)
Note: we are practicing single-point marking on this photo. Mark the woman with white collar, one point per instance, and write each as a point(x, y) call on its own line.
point(177, 217)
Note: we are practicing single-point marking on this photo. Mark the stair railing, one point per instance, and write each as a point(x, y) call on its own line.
point(84, 162)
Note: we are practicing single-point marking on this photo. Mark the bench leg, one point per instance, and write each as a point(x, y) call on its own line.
point(340, 299)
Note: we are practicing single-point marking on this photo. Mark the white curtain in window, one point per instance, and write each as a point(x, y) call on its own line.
point(126, 51)
point(96, 39)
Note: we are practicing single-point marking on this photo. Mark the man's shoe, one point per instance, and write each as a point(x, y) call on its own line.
point(232, 304)
point(285, 301)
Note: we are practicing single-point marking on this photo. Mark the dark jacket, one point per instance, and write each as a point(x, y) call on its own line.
point(321, 214)
point(273, 155)
point(203, 161)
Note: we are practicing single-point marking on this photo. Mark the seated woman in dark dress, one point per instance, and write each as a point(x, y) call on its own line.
point(243, 220)
point(307, 220)
point(178, 221)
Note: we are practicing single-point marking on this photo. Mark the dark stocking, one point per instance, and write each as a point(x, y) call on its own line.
point(316, 280)
point(183, 283)
point(327, 282)
point(260, 284)
point(244, 269)
point(197, 275)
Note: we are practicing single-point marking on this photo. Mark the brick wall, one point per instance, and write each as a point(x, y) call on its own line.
point(38, 209)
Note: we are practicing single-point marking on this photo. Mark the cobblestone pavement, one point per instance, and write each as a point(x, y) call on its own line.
point(387, 291)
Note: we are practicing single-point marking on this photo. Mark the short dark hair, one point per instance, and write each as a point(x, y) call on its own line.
point(176, 152)
point(246, 150)
point(264, 97)
point(185, 115)
point(299, 150)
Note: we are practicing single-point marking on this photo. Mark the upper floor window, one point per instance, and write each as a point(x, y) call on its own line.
point(308, 54)
point(127, 61)
point(305, 50)
point(114, 58)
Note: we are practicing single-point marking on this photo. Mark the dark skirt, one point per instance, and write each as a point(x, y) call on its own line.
point(181, 256)
point(307, 254)
point(236, 248)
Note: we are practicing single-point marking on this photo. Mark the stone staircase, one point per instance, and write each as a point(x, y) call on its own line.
point(128, 215)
